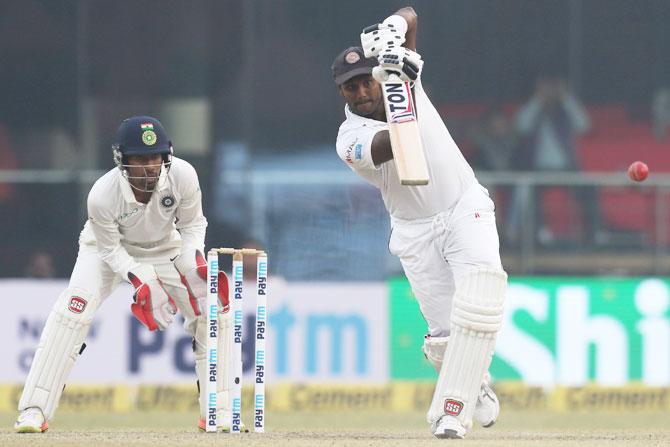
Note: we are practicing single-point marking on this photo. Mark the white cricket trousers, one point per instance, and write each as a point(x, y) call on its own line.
point(92, 281)
point(92, 274)
point(435, 251)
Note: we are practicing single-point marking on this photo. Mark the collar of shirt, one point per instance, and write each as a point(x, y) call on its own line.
point(365, 121)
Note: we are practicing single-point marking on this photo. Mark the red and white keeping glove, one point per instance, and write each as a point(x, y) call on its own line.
point(152, 306)
point(192, 268)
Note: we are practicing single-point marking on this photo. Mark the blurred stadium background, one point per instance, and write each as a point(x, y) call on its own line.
point(245, 92)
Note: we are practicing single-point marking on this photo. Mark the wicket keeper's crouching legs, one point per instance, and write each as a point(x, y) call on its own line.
point(62, 339)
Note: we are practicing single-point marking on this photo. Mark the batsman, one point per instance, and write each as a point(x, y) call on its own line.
point(444, 232)
point(146, 227)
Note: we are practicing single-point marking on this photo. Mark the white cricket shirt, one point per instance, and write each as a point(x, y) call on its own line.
point(123, 228)
point(450, 174)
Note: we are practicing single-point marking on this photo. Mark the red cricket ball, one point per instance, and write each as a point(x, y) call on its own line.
point(638, 171)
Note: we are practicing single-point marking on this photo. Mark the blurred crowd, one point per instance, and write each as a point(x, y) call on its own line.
point(552, 132)
point(72, 69)
point(540, 134)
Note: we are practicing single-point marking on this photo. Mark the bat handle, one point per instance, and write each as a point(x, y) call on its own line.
point(369, 29)
point(393, 76)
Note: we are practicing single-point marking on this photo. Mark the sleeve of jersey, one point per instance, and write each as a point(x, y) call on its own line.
point(191, 223)
point(354, 146)
point(107, 236)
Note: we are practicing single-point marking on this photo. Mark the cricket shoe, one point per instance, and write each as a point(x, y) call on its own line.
point(31, 420)
point(221, 428)
point(487, 407)
point(448, 427)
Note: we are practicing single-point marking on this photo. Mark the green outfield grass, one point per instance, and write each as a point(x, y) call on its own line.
point(362, 429)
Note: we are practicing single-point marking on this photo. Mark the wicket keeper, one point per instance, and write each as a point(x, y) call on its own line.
point(146, 227)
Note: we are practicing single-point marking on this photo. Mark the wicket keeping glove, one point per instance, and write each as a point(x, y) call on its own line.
point(405, 63)
point(152, 305)
point(390, 32)
point(192, 268)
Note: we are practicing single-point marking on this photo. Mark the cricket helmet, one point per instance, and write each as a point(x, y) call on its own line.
point(141, 135)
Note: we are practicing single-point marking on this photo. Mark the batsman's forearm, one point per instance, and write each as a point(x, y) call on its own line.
point(381, 148)
point(411, 18)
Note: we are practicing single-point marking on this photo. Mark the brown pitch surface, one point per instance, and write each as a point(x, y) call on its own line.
point(348, 429)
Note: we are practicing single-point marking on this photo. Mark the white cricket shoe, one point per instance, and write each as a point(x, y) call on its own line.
point(448, 427)
point(31, 420)
point(487, 408)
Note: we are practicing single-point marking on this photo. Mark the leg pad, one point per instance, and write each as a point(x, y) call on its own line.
point(475, 321)
point(60, 345)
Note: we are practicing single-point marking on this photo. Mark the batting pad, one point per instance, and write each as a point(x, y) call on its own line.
point(60, 345)
point(476, 318)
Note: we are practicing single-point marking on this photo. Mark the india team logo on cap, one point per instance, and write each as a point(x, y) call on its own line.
point(352, 57)
point(148, 136)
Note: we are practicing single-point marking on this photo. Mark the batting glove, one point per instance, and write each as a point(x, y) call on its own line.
point(390, 32)
point(404, 63)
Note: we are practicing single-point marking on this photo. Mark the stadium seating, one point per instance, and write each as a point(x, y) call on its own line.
point(612, 143)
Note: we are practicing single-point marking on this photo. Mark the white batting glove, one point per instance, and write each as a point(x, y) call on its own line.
point(407, 64)
point(380, 75)
point(390, 32)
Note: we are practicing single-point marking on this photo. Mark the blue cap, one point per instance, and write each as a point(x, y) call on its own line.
point(142, 135)
point(351, 63)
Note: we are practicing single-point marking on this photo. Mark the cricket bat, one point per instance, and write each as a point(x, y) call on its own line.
point(406, 145)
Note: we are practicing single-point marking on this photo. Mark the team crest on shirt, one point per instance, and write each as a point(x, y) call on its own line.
point(168, 201)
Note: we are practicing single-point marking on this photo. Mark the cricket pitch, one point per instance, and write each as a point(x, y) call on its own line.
point(362, 429)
